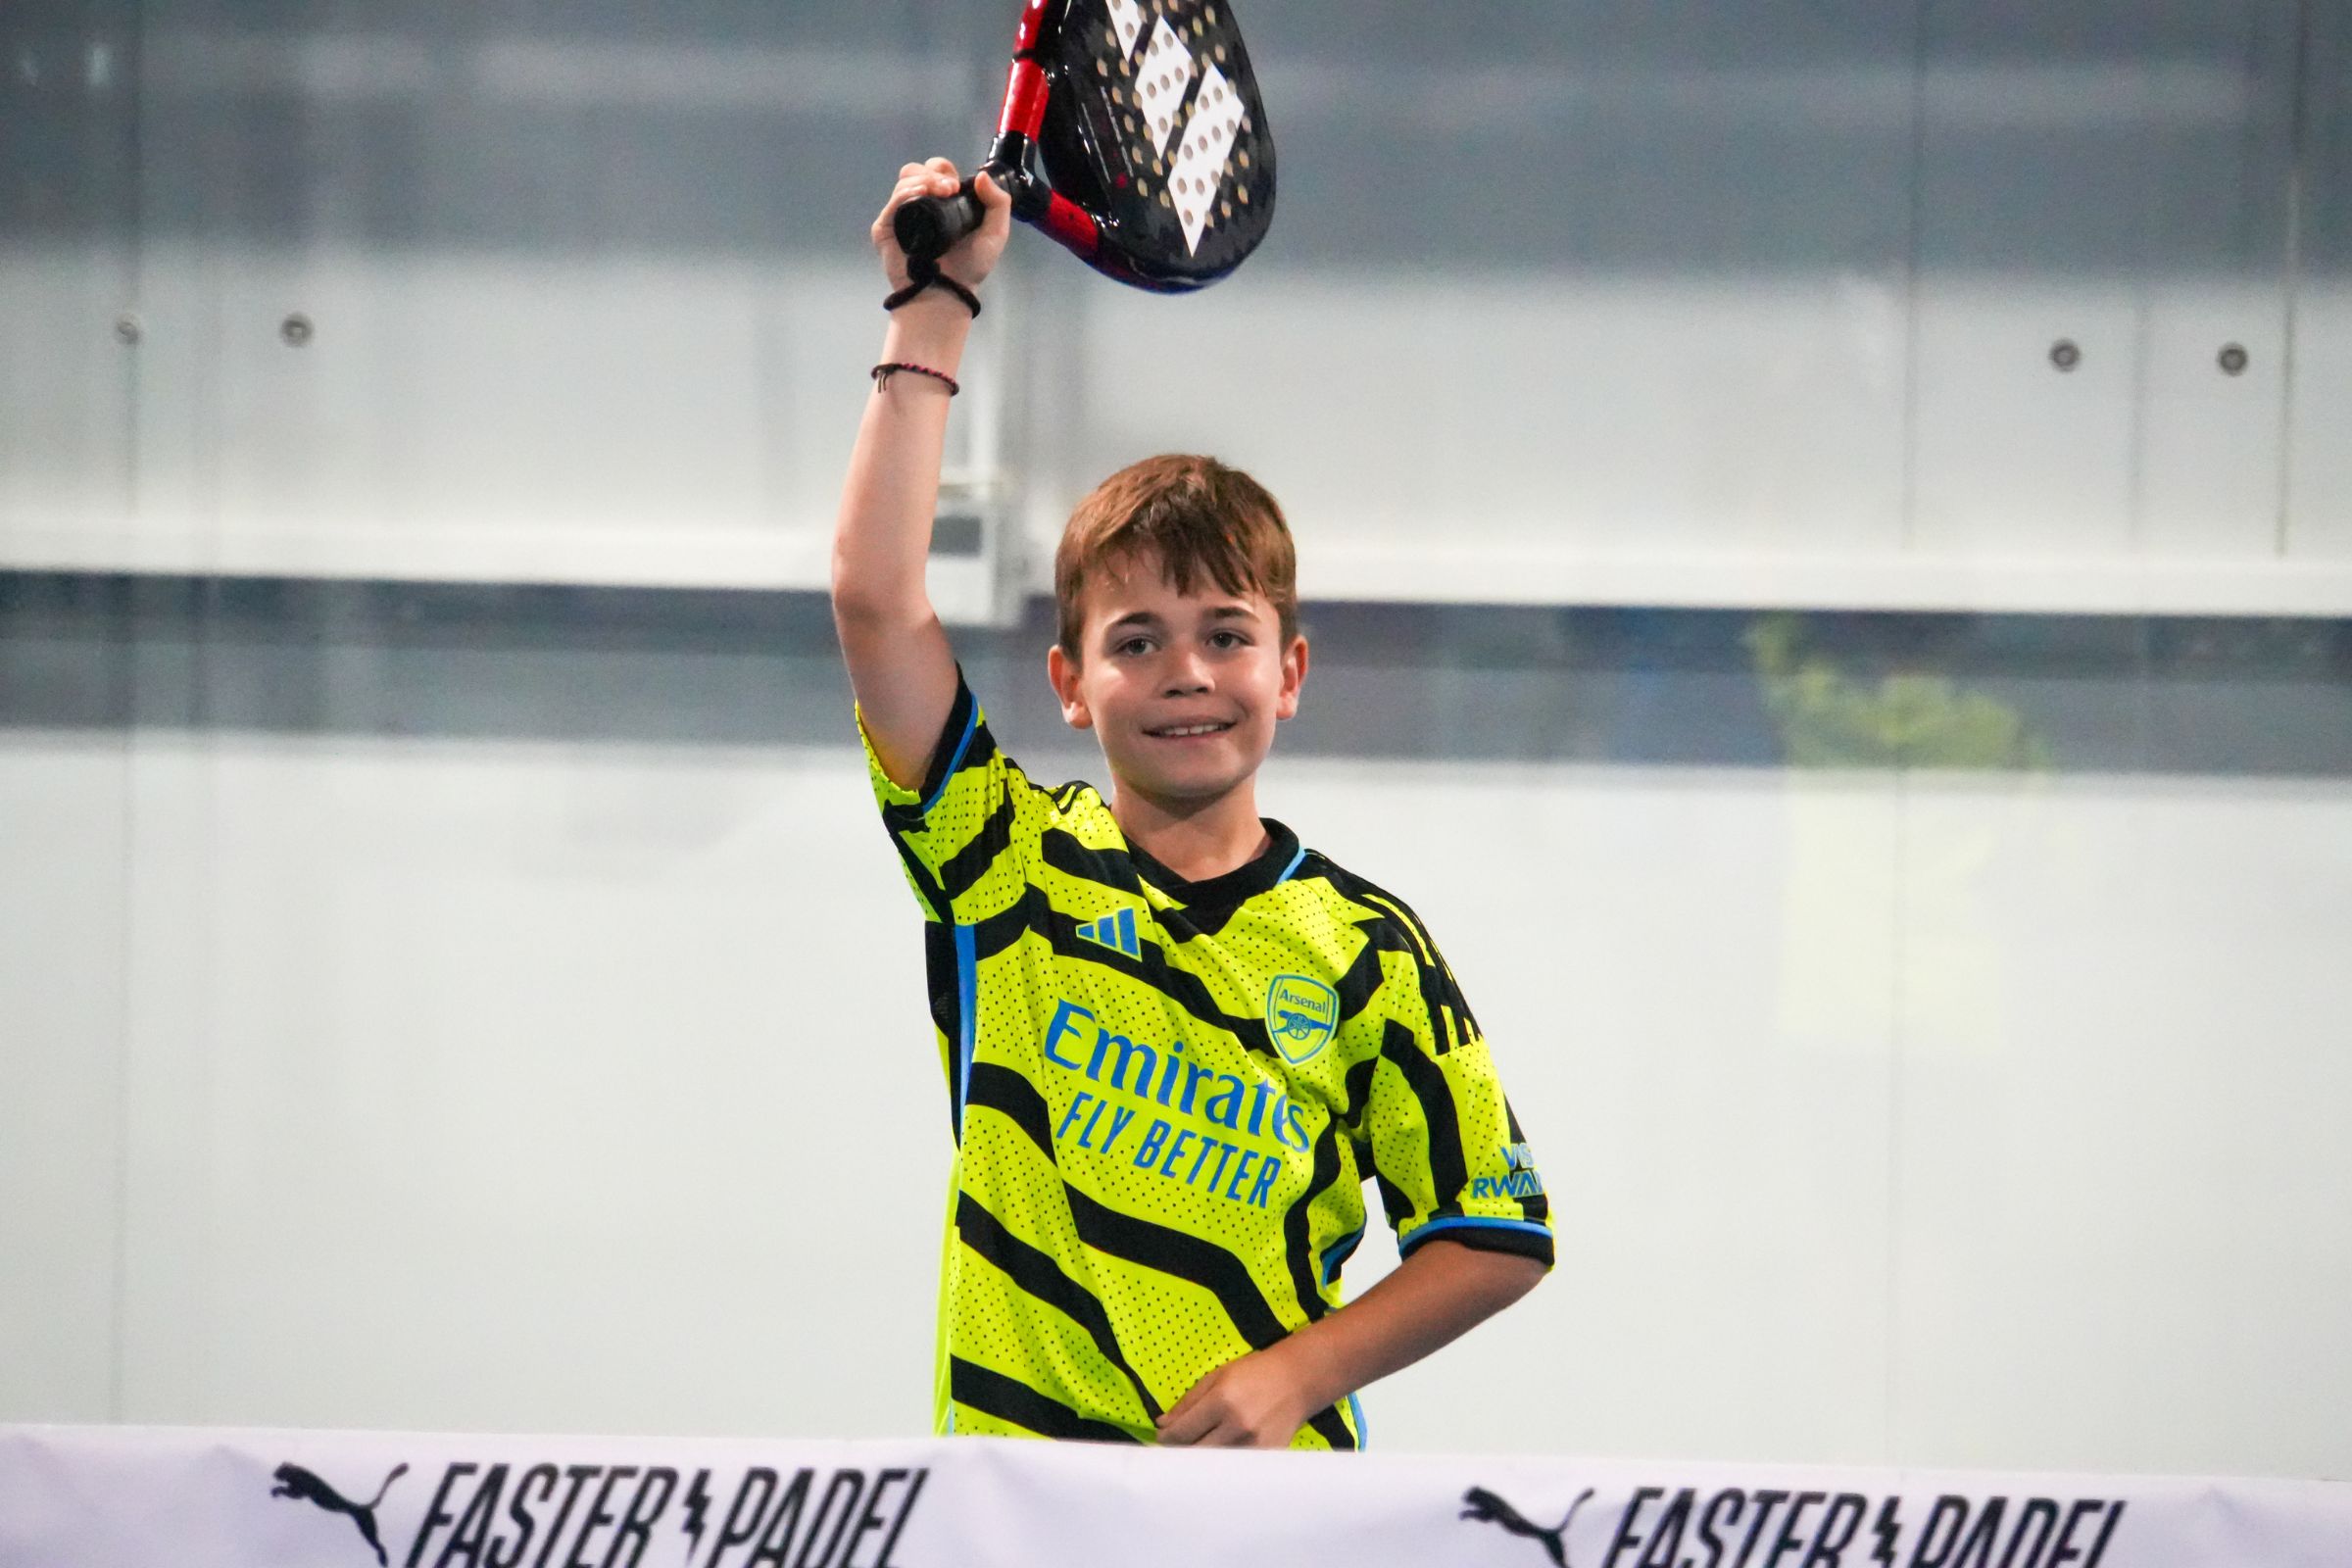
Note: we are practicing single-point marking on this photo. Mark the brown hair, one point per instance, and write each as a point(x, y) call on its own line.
point(1199, 518)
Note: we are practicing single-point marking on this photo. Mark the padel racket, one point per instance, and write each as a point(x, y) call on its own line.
point(1158, 166)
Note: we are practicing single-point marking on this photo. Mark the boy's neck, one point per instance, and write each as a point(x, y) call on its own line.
point(1196, 840)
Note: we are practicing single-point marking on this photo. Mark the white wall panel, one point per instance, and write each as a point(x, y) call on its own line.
point(65, 396)
point(526, 1087)
point(2015, 461)
point(2213, 451)
point(64, 929)
point(2112, 177)
point(1419, 429)
point(2121, 1183)
point(643, 420)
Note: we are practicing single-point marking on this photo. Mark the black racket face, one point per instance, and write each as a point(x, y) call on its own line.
point(1156, 127)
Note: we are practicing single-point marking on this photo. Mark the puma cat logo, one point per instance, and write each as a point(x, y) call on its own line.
point(293, 1481)
point(1488, 1508)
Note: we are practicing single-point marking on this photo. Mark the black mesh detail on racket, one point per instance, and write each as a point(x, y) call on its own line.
point(1157, 160)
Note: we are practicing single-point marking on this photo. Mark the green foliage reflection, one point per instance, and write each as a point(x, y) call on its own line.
point(1830, 719)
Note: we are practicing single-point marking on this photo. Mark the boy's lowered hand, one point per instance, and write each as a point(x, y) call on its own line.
point(1259, 1402)
point(1262, 1399)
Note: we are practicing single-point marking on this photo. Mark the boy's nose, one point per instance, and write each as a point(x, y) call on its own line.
point(1187, 674)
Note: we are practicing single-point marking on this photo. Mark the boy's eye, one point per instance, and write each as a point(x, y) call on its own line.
point(1132, 645)
point(1229, 639)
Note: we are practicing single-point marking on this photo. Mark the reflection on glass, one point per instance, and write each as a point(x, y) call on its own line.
point(1829, 718)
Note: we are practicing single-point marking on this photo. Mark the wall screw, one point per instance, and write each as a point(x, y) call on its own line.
point(2065, 354)
point(126, 329)
point(2234, 359)
point(295, 329)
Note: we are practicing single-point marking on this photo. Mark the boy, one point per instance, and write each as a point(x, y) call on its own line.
point(1177, 1041)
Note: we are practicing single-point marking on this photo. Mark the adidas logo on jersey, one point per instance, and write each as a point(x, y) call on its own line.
point(1116, 931)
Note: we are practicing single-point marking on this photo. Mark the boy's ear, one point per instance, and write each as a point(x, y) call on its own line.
point(1294, 676)
point(1062, 671)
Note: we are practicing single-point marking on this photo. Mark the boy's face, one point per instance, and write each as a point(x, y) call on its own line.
point(1183, 690)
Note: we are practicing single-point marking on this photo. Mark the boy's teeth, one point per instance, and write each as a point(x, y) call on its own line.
point(1192, 729)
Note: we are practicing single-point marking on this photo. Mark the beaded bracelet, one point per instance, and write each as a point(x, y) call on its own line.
point(883, 373)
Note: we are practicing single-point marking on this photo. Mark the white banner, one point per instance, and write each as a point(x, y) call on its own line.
point(130, 1497)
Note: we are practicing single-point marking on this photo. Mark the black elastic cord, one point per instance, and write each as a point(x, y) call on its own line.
point(925, 273)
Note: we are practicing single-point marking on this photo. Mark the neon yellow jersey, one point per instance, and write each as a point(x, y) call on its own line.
point(1168, 1097)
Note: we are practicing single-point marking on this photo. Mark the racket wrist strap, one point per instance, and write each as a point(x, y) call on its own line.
point(925, 273)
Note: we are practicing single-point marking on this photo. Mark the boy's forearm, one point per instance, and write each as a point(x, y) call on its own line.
point(1437, 1294)
point(883, 537)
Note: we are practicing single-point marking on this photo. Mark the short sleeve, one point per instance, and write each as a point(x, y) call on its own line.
point(1447, 1152)
point(968, 836)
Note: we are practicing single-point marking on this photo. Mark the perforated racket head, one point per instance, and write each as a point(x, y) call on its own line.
point(1156, 127)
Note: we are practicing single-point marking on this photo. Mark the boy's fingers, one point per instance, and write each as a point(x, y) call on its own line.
point(1190, 1420)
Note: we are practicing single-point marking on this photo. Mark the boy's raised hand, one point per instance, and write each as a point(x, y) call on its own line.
point(970, 259)
point(901, 666)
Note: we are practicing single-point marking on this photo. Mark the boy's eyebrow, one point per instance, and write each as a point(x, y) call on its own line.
point(1145, 617)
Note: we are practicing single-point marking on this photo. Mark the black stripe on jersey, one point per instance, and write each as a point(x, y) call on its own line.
point(1295, 1233)
point(947, 1007)
point(1140, 1240)
point(1009, 1399)
point(1040, 1276)
point(909, 818)
point(1437, 984)
point(1390, 906)
point(1016, 1099)
point(1363, 977)
point(1203, 1263)
point(1064, 851)
point(1357, 1086)
point(1187, 1257)
point(971, 863)
point(1447, 1172)
point(1034, 911)
point(1461, 1004)
point(927, 886)
point(1386, 933)
point(1333, 1427)
point(1436, 989)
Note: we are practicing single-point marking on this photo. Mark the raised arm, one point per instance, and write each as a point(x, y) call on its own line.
point(901, 666)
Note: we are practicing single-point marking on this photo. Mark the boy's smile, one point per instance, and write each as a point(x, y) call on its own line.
point(1183, 690)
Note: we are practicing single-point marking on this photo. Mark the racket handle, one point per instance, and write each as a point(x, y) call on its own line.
point(928, 226)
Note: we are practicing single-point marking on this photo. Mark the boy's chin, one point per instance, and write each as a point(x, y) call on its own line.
point(1180, 786)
